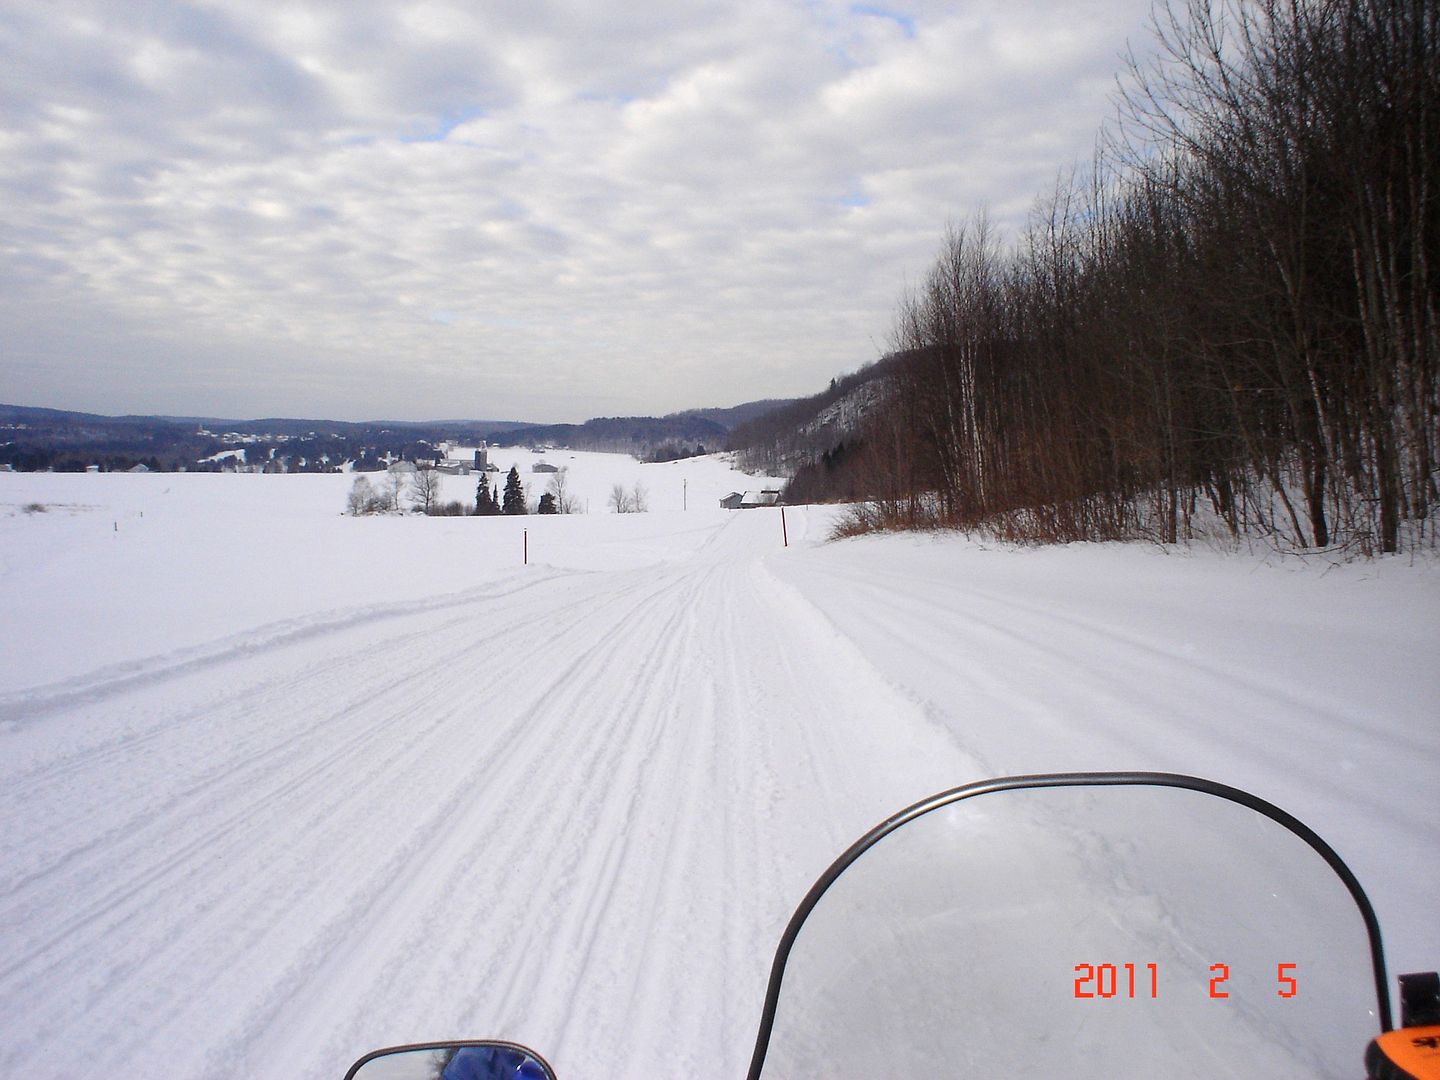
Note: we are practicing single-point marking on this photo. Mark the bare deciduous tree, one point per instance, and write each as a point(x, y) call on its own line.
point(425, 488)
point(393, 488)
point(559, 490)
point(620, 500)
point(363, 498)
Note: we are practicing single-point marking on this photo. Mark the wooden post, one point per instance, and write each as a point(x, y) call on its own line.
point(525, 542)
point(784, 532)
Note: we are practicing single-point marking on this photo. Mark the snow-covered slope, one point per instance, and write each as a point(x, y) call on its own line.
point(279, 786)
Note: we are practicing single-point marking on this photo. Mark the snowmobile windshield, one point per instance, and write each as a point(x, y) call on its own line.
point(1082, 927)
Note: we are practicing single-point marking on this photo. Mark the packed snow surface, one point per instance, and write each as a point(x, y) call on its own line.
point(279, 786)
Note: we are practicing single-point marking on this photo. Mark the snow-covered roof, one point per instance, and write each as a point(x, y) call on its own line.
point(226, 455)
point(768, 497)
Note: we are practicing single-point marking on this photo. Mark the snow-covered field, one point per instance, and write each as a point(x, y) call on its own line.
point(278, 786)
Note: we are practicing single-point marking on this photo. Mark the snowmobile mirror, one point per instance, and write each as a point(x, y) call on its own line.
point(469, 1060)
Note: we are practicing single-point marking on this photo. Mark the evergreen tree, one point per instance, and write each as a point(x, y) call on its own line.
point(485, 504)
point(514, 502)
point(547, 504)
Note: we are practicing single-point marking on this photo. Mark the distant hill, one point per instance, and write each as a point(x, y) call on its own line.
point(802, 433)
point(738, 414)
point(41, 438)
point(679, 434)
point(643, 436)
point(38, 438)
point(34, 417)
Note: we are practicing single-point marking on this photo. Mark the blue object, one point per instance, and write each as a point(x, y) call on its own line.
point(492, 1063)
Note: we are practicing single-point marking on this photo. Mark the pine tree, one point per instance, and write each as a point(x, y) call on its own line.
point(485, 504)
point(547, 504)
point(514, 493)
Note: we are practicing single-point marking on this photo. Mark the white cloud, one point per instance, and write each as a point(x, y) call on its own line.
point(548, 211)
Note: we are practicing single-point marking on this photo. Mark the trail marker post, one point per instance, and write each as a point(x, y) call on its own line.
point(525, 547)
point(784, 532)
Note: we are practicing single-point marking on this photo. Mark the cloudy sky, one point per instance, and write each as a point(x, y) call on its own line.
point(505, 208)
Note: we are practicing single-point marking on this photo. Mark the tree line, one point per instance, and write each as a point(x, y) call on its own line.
point(1230, 318)
point(388, 494)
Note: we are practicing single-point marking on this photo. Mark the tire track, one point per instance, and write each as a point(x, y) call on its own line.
point(116, 906)
point(576, 814)
point(527, 745)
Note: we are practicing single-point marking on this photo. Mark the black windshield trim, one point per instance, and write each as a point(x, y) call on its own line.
point(1048, 780)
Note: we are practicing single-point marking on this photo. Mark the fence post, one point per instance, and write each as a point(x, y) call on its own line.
point(525, 548)
point(784, 532)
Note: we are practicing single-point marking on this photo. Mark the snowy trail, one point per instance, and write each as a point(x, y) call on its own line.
point(275, 790)
point(576, 813)
point(1318, 695)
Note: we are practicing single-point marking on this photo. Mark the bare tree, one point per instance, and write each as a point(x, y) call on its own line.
point(425, 488)
point(633, 501)
point(393, 488)
point(559, 490)
point(363, 498)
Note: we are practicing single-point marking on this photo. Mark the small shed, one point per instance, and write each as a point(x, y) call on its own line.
point(544, 466)
point(749, 500)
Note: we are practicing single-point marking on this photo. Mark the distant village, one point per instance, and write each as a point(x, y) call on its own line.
point(163, 447)
point(141, 447)
point(448, 458)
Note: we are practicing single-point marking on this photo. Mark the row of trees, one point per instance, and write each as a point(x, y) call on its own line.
point(671, 451)
point(632, 501)
point(1233, 315)
point(423, 489)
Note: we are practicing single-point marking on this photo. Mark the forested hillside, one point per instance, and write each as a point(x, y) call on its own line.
point(646, 437)
point(794, 436)
point(1231, 319)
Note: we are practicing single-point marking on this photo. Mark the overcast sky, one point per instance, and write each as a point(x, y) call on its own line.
point(506, 208)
